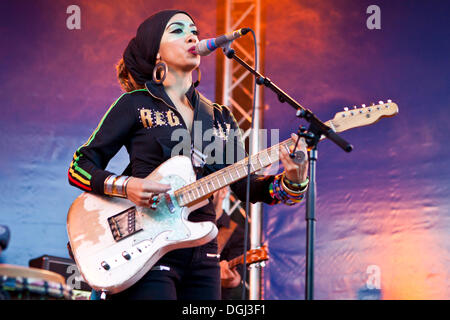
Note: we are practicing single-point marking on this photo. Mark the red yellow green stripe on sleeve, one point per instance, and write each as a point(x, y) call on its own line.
point(78, 176)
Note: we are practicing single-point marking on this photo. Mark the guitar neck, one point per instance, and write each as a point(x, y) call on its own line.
point(236, 261)
point(204, 187)
point(342, 121)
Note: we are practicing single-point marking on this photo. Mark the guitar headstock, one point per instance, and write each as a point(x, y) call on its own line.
point(257, 255)
point(363, 116)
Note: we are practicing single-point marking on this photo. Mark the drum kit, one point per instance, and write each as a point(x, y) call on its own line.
point(24, 283)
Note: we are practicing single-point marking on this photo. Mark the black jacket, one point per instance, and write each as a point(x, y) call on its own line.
point(143, 121)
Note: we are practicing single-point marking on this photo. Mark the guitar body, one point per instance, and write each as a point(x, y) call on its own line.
point(115, 242)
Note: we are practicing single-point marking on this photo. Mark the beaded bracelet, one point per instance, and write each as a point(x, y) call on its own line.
point(295, 187)
point(279, 192)
point(287, 194)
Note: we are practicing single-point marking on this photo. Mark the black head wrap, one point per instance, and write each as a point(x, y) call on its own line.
point(140, 54)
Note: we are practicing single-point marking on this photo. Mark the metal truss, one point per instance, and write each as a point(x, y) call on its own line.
point(234, 88)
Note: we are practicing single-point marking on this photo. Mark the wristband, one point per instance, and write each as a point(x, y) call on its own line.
point(108, 184)
point(116, 186)
point(125, 184)
point(294, 187)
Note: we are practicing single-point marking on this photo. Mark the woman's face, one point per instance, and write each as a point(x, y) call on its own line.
point(179, 37)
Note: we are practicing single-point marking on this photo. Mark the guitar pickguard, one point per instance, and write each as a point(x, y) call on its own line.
point(166, 218)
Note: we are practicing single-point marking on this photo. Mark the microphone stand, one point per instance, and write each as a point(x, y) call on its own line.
point(312, 137)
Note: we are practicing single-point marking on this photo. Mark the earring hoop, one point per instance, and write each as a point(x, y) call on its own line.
point(199, 77)
point(160, 72)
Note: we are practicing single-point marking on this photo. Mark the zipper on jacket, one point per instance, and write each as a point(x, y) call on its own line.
point(170, 107)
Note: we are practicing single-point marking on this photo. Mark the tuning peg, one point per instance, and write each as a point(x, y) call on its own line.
point(389, 101)
point(354, 107)
point(380, 102)
point(363, 105)
point(346, 109)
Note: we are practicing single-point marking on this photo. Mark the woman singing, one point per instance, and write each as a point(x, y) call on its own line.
point(156, 73)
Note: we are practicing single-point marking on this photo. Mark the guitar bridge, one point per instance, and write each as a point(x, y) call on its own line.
point(124, 224)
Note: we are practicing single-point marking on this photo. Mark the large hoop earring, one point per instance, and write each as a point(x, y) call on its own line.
point(199, 77)
point(160, 72)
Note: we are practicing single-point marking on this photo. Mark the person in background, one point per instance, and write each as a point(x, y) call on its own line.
point(230, 245)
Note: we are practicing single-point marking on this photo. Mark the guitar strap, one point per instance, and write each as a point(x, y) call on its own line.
point(203, 120)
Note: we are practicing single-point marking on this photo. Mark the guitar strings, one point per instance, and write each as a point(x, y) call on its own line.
point(189, 190)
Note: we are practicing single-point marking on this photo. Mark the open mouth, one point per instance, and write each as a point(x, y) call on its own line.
point(192, 50)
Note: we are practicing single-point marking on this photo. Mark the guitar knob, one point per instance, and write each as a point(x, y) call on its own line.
point(105, 265)
point(126, 255)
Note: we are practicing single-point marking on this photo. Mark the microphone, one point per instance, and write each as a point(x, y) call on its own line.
point(206, 46)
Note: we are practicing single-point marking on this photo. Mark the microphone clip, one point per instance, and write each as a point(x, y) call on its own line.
point(228, 51)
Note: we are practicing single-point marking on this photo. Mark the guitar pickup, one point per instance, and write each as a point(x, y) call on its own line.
point(124, 224)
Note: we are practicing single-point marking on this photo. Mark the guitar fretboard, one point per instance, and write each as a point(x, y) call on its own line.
point(222, 178)
point(236, 261)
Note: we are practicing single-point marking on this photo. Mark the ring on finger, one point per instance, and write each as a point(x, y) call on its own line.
point(153, 201)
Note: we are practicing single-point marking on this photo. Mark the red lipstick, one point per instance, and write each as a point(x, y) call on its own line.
point(192, 50)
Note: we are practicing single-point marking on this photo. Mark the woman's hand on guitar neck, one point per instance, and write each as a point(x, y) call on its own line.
point(296, 171)
point(141, 191)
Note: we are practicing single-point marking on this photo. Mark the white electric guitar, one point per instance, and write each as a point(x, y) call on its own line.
point(115, 242)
